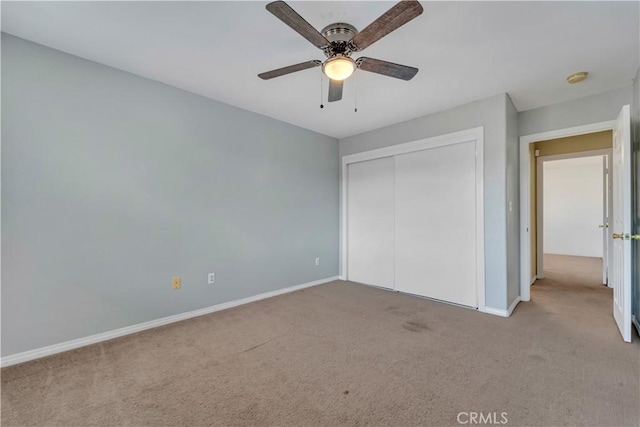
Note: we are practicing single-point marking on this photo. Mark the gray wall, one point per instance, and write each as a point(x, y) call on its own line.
point(490, 113)
point(513, 196)
point(635, 135)
point(112, 184)
point(582, 111)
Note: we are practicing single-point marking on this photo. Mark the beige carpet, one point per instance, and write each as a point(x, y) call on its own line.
point(348, 354)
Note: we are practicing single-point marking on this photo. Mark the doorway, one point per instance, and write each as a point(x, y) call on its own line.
point(573, 205)
point(619, 265)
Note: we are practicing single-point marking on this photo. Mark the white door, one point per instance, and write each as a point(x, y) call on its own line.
point(621, 224)
point(605, 220)
point(436, 223)
point(609, 219)
point(370, 220)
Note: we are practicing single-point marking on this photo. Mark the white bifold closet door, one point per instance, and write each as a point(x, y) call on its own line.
point(435, 223)
point(370, 233)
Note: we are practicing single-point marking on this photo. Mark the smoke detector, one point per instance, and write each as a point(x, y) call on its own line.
point(577, 77)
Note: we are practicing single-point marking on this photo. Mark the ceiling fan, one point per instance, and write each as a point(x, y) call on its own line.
point(339, 41)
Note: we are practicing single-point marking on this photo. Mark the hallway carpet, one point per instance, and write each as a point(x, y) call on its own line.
point(349, 354)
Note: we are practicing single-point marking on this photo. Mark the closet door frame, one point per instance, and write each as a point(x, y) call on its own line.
point(470, 135)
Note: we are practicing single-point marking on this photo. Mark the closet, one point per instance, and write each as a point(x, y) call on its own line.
point(412, 222)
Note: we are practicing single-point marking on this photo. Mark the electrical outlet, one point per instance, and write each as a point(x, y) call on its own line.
point(212, 278)
point(317, 261)
point(176, 283)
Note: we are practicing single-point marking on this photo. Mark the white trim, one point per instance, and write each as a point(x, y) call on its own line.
point(480, 267)
point(421, 144)
point(539, 219)
point(37, 353)
point(495, 311)
point(500, 312)
point(577, 155)
point(475, 134)
point(525, 243)
point(514, 304)
point(609, 253)
point(533, 280)
point(566, 132)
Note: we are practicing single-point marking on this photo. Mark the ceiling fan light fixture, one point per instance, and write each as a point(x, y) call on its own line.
point(339, 67)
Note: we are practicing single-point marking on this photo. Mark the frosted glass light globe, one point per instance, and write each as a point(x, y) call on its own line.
point(339, 68)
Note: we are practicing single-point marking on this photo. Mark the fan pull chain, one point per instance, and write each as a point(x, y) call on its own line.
point(355, 82)
point(321, 106)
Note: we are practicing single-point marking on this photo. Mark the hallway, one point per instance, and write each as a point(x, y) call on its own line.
point(571, 305)
point(573, 290)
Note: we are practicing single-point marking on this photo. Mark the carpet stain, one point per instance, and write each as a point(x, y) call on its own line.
point(345, 392)
point(415, 326)
point(255, 346)
point(405, 312)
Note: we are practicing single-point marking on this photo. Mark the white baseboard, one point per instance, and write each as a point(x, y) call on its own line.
point(342, 278)
point(513, 305)
point(501, 312)
point(634, 319)
point(495, 311)
point(533, 280)
point(37, 353)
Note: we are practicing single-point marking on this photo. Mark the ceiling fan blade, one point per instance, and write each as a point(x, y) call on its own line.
point(290, 69)
point(386, 68)
point(335, 90)
point(286, 14)
point(391, 20)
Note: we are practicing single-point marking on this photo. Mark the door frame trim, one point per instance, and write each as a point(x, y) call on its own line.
point(525, 193)
point(476, 135)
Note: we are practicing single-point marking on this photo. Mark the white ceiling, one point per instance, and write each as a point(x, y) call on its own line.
point(465, 51)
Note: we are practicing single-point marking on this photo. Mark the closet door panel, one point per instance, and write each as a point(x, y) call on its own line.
point(435, 223)
point(370, 222)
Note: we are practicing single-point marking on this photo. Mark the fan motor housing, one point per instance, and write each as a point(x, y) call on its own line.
point(339, 35)
point(339, 32)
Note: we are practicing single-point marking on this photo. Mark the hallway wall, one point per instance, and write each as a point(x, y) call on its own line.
point(573, 206)
point(582, 111)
